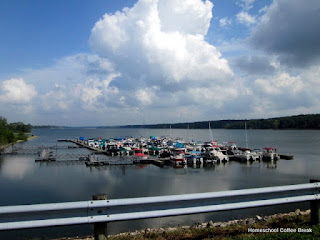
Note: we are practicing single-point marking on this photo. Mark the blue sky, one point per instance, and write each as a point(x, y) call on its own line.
point(35, 33)
point(157, 61)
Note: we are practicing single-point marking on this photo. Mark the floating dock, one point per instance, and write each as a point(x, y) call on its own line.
point(110, 162)
point(286, 156)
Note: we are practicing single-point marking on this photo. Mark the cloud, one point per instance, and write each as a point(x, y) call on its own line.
point(246, 5)
point(245, 18)
point(58, 99)
point(162, 50)
point(141, 61)
point(185, 16)
point(280, 84)
point(255, 65)
point(68, 71)
point(225, 21)
point(15, 90)
point(287, 93)
point(289, 30)
point(154, 60)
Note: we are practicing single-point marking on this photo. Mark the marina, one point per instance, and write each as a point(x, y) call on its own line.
point(69, 178)
point(162, 151)
point(159, 151)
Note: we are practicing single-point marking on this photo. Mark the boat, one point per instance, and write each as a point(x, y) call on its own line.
point(194, 157)
point(138, 153)
point(270, 154)
point(245, 155)
point(112, 148)
point(215, 153)
point(178, 157)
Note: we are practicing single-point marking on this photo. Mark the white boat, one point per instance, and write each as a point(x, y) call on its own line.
point(214, 152)
point(245, 155)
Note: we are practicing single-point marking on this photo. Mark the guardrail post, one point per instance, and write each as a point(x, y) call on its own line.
point(315, 208)
point(100, 229)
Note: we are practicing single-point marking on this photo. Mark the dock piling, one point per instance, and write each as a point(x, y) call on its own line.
point(100, 229)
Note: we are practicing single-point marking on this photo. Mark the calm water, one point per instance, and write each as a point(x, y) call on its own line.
point(23, 181)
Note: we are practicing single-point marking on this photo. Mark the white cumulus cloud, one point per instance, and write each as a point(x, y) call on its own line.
point(16, 90)
point(159, 48)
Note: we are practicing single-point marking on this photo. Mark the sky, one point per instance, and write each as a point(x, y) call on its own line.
point(97, 62)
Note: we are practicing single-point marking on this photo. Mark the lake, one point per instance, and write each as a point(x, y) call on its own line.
point(24, 181)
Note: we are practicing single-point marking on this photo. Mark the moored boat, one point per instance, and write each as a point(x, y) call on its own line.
point(214, 152)
point(270, 154)
point(178, 157)
point(139, 154)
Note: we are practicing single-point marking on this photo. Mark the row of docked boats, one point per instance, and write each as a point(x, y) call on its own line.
point(178, 151)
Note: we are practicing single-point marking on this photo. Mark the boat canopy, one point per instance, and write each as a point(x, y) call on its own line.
point(122, 149)
point(179, 145)
point(119, 139)
point(155, 148)
point(195, 152)
point(244, 149)
point(269, 148)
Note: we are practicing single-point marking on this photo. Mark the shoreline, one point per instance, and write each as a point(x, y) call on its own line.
point(2, 147)
point(223, 228)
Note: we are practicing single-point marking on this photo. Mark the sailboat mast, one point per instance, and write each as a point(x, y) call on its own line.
point(211, 136)
point(188, 136)
point(245, 129)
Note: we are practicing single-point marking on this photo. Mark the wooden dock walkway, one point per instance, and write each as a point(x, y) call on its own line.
point(96, 150)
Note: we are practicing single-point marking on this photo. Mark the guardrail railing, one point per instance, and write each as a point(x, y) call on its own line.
point(104, 211)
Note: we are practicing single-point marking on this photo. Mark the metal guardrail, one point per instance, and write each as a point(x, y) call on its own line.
point(99, 211)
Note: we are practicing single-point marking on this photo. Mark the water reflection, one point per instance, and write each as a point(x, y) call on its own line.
point(1, 161)
point(15, 168)
point(272, 165)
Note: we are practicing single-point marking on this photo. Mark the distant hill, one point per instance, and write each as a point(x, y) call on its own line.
point(309, 121)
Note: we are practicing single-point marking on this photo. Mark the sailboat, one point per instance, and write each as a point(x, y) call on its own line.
point(245, 154)
point(214, 152)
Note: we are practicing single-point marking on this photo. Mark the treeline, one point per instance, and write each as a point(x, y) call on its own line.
point(310, 121)
point(11, 132)
point(45, 126)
